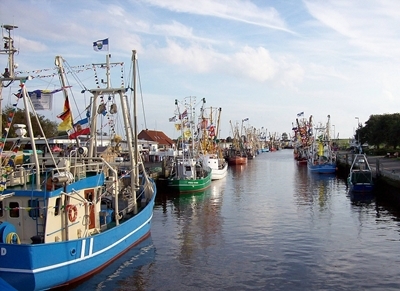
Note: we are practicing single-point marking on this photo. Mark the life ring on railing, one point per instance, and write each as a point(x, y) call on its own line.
point(13, 238)
point(72, 212)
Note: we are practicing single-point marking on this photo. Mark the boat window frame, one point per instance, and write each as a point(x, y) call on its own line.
point(14, 209)
point(57, 206)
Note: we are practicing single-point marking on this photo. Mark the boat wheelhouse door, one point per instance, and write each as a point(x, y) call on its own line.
point(90, 197)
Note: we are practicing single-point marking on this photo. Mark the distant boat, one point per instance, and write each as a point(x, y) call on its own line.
point(321, 158)
point(236, 154)
point(303, 136)
point(237, 160)
point(64, 218)
point(360, 176)
point(188, 174)
point(209, 151)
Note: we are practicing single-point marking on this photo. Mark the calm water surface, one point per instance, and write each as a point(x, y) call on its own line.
point(269, 225)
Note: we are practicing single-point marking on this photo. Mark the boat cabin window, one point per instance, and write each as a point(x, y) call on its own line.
point(188, 168)
point(14, 209)
point(57, 207)
point(34, 205)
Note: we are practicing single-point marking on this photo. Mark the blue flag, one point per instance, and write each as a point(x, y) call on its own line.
point(101, 45)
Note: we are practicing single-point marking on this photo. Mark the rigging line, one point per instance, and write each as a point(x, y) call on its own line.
point(141, 95)
point(74, 75)
point(80, 83)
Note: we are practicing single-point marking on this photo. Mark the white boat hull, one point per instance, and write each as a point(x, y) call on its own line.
point(219, 167)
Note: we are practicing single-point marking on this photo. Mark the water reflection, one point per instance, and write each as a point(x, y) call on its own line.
point(321, 186)
point(361, 198)
point(313, 188)
point(198, 219)
point(129, 270)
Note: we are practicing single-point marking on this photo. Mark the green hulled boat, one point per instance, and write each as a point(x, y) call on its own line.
point(189, 177)
point(188, 174)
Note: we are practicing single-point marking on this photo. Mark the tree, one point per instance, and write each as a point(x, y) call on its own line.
point(380, 130)
point(10, 115)
point(393, 137)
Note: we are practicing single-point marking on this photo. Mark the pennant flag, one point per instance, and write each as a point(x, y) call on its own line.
point(172, 119)
point(66, 117)
point(80, 128)
point(246, 119)
point(101, 45)
point(187, 133)
point(178, 126)
point(203, 124)
point(300, 114)
point(183, 115)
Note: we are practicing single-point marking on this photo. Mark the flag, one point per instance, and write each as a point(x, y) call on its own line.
point(172, 119)
point(246, 119)
point(203, 124)
point(300, 114)
point(187, 133)
point(66, 117)
point(80, 128)
point(183, 115)
point(100, 45)
point(211, 129)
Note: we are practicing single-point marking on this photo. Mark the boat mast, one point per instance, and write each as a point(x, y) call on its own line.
point(136, 158)
point(61, 73)
point(218, 123)
point(181, 128)
point(9, 75)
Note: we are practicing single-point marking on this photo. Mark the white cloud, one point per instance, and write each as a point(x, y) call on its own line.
point(371, 26)
point(256, 64)
point(242, 11)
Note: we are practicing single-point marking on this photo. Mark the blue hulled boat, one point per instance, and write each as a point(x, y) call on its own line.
point(321, 158)
point(360, 177)
point(66, 216)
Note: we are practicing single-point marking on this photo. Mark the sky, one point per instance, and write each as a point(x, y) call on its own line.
point(263, 60)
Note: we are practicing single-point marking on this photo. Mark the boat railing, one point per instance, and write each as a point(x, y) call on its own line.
point(24, 175)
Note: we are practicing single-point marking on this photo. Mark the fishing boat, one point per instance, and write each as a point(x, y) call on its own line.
point(236, 154)
point(302, 138)
point(64, 218)
point(360, 175)
point(188, 174)
point(237, 159)
point(210, 153)
point(321, 158)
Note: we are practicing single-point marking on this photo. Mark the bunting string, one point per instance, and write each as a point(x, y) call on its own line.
point(43, 73)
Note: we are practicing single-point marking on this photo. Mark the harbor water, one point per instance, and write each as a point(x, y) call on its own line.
point(269, 225)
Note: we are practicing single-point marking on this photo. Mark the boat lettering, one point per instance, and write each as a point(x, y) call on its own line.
point(3, 251)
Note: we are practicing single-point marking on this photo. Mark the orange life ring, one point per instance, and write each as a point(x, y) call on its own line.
point(72, 212)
